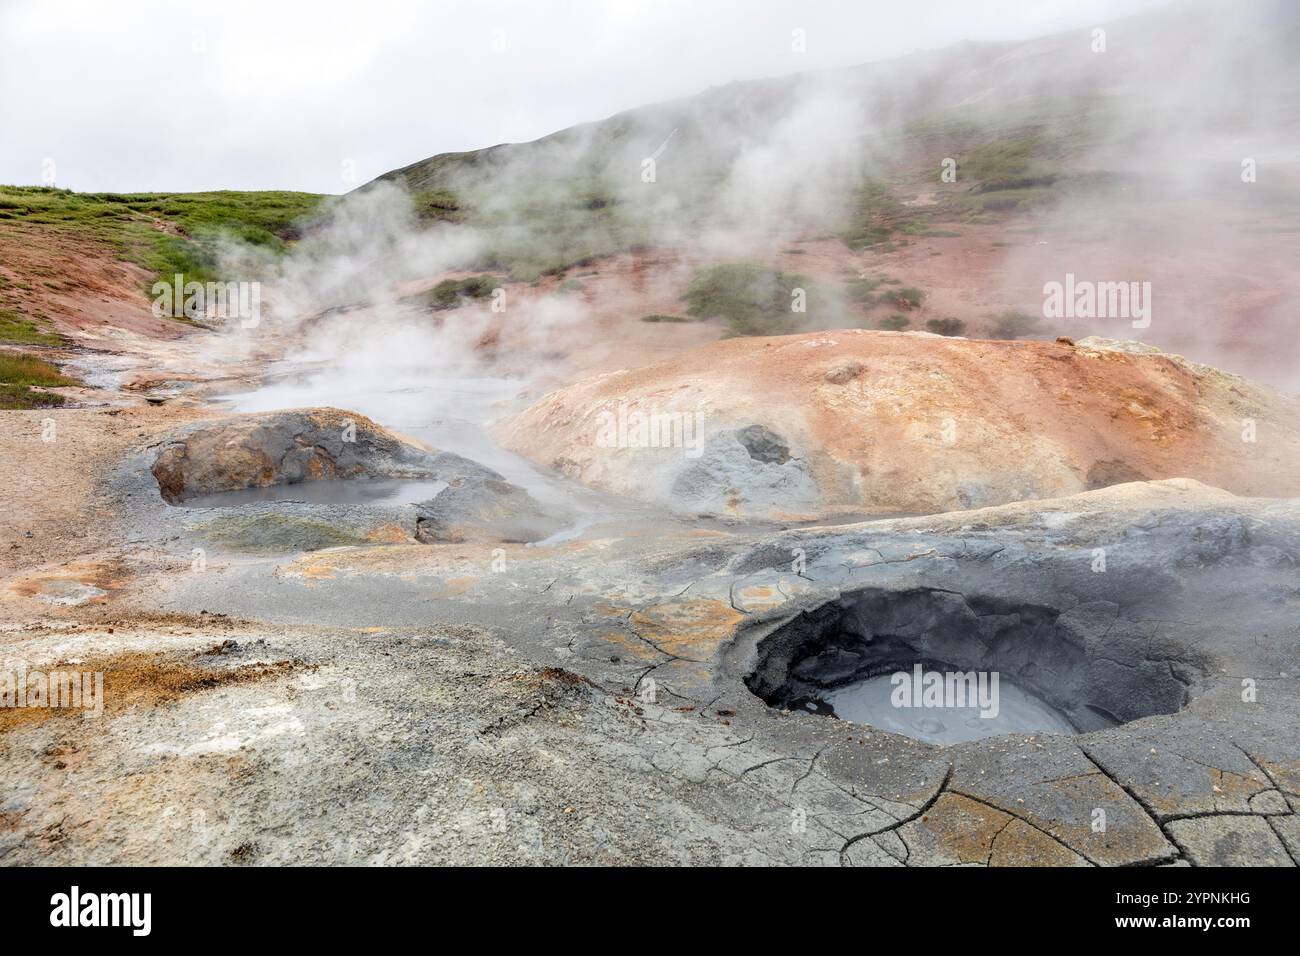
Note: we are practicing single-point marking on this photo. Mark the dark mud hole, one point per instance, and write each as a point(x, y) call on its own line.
point(1094, 667)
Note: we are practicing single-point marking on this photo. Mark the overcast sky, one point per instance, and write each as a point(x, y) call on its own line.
point(144, 95)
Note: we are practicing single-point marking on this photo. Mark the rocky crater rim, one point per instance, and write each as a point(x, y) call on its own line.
point(1094, 666)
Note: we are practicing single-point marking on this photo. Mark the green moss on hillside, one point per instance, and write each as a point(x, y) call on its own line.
point(165, 233)
point(18, 329)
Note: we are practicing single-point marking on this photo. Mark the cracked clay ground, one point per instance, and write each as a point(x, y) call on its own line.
point(434, 711)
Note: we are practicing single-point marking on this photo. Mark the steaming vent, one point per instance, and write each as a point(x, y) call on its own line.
point(946, 667)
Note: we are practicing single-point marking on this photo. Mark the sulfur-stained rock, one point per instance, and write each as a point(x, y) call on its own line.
point(858, 421)
point(289, 447)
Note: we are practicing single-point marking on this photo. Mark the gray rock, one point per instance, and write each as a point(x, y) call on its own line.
point(480, 509)
point(750, 471)
point(289, 447)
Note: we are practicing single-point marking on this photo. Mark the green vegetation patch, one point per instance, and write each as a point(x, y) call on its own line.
point(1013, 325)
point(908, 297)
point(894, 293)
point(752, 299)
point(20, 397)
point(19, 372)
point(862, 290)
point(19, 369)
point(438, 205)
point(451, 293)
point(986, 207)
point(18, 329)
point(1006, 164)
point(167, 233)
point(945, 326)
point(875, 215)
point(547, 228)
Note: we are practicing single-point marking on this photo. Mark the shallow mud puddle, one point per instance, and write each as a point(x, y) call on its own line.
point(1016, 712)
point(390, 491)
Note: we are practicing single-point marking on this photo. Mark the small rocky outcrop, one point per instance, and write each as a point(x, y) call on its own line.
point(479, 509)
point(289, 447)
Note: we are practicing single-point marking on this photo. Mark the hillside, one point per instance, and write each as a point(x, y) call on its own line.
point(1028, 124)
point(76, 269)
point(1122, 164)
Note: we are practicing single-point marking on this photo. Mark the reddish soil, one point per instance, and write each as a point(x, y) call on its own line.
point(85, 291)
point(921, 423)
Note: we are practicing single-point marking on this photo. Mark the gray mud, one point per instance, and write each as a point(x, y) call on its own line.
point(624, 693)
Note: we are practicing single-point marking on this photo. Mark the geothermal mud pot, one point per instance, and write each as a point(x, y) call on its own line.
point(316, 627)
point(1056, 656)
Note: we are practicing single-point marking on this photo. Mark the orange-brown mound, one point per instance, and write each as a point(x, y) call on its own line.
point(882, 421)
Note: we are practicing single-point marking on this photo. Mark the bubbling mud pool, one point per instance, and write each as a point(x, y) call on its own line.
point(1028, 667)
point(1009, 709)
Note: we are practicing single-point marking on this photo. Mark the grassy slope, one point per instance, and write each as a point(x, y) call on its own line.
point(165, 233)
point(129, 223)
point(20, 330)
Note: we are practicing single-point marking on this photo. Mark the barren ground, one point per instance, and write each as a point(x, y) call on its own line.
point(409, 703)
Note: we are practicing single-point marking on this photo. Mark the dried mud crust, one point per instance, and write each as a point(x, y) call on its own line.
point(592, 707)
point(440, 744)
point(445, 748)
